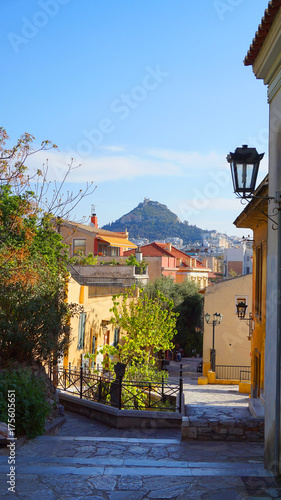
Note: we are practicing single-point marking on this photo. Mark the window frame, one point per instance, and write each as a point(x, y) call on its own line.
point(73, 246)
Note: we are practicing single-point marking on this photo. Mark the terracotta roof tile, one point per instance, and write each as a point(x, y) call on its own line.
point(263, 30)
point(93, 229)
point(156, 249)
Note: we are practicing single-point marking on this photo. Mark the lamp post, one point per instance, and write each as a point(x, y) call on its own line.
point(217, 317)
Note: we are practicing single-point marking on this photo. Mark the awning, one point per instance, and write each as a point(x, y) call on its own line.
point(117, 242)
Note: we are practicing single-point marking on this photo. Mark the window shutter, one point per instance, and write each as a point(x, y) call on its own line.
point(81, 331)
point(116, 337)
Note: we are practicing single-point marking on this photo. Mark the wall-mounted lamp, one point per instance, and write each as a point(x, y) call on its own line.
point(244, 165)
point(241, 311)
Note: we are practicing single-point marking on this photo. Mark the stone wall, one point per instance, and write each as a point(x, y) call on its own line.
point(231, 429)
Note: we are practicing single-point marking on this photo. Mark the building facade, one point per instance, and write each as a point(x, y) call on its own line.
point(264, 56)
point(231, 335)
point(93, 287)
point(252, 217)
point(85, 239)
point(165, 260)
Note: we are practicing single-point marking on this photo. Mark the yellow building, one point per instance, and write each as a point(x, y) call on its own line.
point(252, 217)
point(92, 329)
point(90, 238)
point(264, 57)
point(231, 335)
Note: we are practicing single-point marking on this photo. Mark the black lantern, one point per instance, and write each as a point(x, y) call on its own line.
point(207, 317)
point(217, 318)
point(241, 309)
point(244, 164)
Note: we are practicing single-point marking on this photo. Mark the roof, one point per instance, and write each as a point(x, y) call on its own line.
point(253, 207)
point(156, 249)
point(93, 229)
point(263, 30)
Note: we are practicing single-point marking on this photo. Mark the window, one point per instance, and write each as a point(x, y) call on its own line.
point(81, 331)
point(79, 246)
point(108, 251)
point(116, 337)
point(94, 341)
point(258, 288)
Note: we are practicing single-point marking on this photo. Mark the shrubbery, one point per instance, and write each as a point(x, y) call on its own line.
point(31, 407)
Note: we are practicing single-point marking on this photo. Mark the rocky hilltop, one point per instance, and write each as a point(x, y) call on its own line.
point(154, 221)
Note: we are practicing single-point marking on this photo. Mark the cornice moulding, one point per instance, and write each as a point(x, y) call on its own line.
point(268, 61)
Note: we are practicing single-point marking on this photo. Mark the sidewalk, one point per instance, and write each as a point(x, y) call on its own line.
point(226, 398)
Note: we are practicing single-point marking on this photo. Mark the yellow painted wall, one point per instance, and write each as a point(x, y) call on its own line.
point(69, 234)
point(231, 336)
point(97, 310)
point(258, 337)
point(197, 276)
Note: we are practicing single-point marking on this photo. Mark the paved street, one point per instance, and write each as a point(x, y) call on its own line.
point(225, 400)
point(90, 460)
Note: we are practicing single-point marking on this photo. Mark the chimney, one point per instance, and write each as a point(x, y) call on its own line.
point(138, 254)
point(94, 219)
point(169, 246)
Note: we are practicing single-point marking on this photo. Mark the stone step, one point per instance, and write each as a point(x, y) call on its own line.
point(115, 467)
point(256, 408)
point(98, 439)
point(129, 462)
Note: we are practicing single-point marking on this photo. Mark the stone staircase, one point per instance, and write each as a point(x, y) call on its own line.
point(88, 460)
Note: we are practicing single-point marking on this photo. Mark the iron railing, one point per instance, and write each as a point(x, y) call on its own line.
point(245, 374)
point(231, 372)
point(122, 394)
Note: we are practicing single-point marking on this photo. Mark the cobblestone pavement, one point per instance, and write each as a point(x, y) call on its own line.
point(90, 460)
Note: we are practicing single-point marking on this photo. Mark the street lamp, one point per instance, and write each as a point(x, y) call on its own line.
point(244, 165)
point(241, 311)
point(217, 317)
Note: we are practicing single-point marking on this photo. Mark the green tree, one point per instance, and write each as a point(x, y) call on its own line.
point(132, 261)
point(188, 304)
point(34, 315)
point(147, 325)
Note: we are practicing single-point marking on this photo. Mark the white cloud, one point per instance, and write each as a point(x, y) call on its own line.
point(191, 159)
point(112, 163)
point(103, 168)
point(116, 149)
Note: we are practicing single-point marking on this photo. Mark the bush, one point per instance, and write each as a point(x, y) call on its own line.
point(30, 401)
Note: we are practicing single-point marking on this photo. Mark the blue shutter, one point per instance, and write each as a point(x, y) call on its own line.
point(81, 331)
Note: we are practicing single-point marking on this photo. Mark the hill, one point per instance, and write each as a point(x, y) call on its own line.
point(154, 221)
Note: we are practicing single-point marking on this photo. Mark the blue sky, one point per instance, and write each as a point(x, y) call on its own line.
point(149, 97)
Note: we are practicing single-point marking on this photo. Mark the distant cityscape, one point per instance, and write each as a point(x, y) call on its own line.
point(229, 256)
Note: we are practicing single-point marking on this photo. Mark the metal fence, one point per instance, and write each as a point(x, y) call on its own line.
point(123, 394)
point(233, 372)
